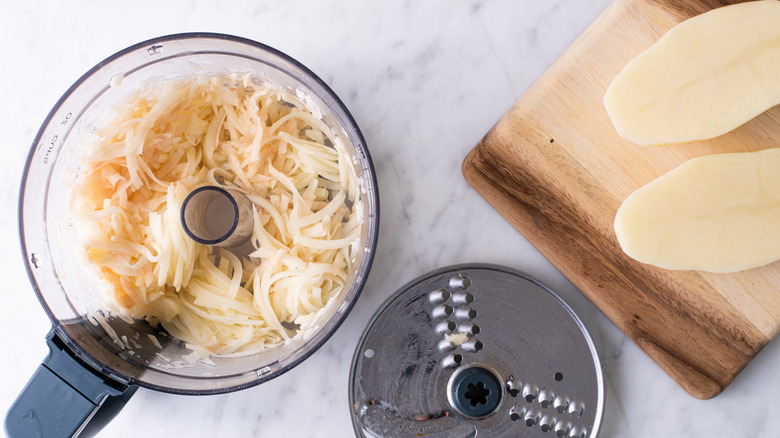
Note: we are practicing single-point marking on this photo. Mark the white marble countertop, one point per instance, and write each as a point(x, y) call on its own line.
point(425, 80)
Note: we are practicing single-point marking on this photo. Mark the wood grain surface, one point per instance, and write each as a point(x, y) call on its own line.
point(555, 168)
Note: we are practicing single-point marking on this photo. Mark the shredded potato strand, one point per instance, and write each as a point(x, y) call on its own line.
point(165, 141)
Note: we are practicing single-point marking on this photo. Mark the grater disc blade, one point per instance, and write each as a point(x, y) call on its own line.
point(476, 351)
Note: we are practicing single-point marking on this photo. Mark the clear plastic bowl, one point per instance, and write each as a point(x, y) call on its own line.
point(48, 244)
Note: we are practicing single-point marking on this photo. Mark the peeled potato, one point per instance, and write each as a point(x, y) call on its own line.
point(717, 213)
point(703, 78)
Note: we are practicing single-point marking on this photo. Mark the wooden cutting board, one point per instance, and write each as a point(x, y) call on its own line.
point(557, 170)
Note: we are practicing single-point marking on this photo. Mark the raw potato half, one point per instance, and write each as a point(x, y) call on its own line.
point(717, 213)
point(703, 78)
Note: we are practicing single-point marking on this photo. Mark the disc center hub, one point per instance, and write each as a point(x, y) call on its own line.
point(475, 391)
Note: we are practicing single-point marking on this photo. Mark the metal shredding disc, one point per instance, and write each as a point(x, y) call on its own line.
point(476, 350)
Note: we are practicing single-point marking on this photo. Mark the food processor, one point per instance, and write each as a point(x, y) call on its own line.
point(97, 359)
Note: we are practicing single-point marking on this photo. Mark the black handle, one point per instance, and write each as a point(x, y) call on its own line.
point(65, 398)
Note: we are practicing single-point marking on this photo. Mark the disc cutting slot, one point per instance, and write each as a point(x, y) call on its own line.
point(445, 327)
point(545, 398)
point(462, 298)
point(513, 387)
point(546, 423)
point(576, 409)
point(530, 391)
point(465, 313)
point(472, 345)
point(439, 296)
point(516, 414)
point(452, 360)
point(561, 429)
point(441, 311)
point(445, 346)
point(469, 328)
point(531, 417)
point(459, 281)
point(560, 403)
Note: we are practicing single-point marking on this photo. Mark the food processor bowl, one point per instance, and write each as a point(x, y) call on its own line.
point(104, 357)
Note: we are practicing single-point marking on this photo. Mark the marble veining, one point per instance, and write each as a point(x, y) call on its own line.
point(425, 80)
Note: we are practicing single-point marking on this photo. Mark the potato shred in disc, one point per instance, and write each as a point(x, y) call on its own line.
point(165, 140)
